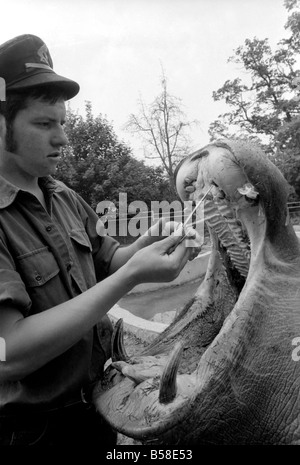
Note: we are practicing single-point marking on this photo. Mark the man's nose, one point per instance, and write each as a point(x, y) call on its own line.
point(59, 137)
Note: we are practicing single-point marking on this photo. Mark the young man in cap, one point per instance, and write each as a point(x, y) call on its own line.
point(58, 278)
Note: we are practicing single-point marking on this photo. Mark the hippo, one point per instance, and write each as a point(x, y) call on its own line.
point(223, 372)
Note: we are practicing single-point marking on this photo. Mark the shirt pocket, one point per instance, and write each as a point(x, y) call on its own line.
point(83, 269)
point(37, 267)
point(80, 237)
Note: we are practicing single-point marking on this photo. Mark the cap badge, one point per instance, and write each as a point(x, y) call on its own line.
point(43, 54)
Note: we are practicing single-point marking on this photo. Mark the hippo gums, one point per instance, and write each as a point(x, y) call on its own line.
point(223, 371)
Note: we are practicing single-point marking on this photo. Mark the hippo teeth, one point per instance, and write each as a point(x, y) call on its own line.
point(130, 372)
point(118, 351)
point(168, 383)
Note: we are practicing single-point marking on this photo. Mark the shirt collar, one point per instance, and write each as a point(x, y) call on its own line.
point(9, 191)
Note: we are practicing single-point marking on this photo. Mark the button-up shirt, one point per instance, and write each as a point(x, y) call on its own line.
point(46, 258)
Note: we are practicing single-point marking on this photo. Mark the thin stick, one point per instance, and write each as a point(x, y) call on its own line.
point(191, 214)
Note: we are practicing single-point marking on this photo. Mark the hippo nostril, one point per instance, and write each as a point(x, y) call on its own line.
point(217, 193)
point(188, 181)
point(221, 194)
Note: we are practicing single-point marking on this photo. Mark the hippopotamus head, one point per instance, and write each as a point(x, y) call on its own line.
point(223, 371)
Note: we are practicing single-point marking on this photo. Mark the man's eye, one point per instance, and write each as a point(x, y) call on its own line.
point(43, 124)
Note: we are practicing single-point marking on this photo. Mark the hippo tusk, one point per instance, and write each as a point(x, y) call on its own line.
point(168, 382)
point(117, 343)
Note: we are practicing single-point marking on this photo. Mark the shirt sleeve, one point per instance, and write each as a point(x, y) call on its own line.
point(103, 248)
point(12, 289)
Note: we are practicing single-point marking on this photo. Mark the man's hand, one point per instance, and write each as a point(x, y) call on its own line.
point(161, 261)
point(158, 231)
point(155, 234)
point(162, 228)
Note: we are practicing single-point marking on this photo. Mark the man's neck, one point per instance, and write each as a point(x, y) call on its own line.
point(12, 173)
point(21, 180)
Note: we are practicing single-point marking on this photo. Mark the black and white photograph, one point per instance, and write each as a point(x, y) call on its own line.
point(149, 226)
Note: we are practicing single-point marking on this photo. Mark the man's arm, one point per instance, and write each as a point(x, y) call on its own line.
point(33, 341)
point(108, 257)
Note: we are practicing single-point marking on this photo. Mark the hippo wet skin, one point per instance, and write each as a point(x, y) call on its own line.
point(223, 371)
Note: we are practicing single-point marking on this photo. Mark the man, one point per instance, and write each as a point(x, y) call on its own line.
point(58, 278)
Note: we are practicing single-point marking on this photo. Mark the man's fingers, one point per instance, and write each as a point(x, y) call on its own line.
point(172, 245)
point(169, 241)
point(160, 225)
point(157, 229)
point(193, 237)
point(181, 254)
point(172, 227)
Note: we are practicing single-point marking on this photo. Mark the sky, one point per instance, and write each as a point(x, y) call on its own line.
point(116, 50)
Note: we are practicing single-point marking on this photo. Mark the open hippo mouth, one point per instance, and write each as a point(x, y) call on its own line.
point(222, 372)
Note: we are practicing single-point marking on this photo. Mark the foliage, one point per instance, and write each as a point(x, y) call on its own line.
point(265, 106)
point(99, 167)
point(162, 125)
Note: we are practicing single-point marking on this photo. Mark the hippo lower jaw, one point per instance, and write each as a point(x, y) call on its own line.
point(221, 345)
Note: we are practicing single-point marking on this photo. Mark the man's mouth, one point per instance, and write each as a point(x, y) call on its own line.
point(54, 155)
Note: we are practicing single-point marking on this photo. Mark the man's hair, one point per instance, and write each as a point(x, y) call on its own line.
point(17, 101)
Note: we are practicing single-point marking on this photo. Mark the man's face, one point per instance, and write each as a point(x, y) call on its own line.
point(38, 137)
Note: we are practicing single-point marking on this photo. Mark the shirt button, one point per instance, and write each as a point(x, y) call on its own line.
point(38, 277)
point(49, 228)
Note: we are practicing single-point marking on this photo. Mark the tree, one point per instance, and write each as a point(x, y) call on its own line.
point(264, 106)
point(162, 125)
point(99, 167)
